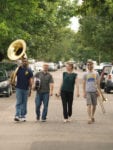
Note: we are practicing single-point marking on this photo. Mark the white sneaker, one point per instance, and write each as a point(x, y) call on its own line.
point(69, 119)
point(17, 119)
point(65, 121)
point(23, 119)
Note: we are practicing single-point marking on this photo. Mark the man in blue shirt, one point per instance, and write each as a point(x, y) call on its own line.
point(23, 89)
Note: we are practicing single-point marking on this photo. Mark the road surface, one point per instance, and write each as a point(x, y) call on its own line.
point(54, 134)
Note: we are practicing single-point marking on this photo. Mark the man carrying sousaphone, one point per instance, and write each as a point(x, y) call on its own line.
point(90, 83)
point(23, 75)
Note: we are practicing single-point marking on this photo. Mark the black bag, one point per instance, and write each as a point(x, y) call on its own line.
point(37, 84)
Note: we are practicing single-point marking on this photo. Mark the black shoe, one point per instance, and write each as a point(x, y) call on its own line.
point(38, 118)
point(43, 120)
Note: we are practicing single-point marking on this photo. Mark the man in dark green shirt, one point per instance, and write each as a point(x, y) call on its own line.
point(44, 90)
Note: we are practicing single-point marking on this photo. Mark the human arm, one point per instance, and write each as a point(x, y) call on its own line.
point(34, 81)
point(60, 87)
point(98, 85)
point(31, 81)
point(51, 85)
point(59, 90)
point(77, 87)
point(84, 88)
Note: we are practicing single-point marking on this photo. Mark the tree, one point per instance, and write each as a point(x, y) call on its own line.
point(96, 19)
point(39, 22)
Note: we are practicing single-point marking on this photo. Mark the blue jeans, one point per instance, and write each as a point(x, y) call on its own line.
point(21, 102)
point(42, 98)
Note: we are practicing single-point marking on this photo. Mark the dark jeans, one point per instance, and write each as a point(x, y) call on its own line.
point(67, 101)
point(42, 98)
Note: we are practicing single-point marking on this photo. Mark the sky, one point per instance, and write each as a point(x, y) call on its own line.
point(75, 21)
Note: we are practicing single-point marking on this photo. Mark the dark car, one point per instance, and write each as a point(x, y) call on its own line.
point(5, 85)
point(8, 66)
point(105, 71)
point(109, 81)
point(60, 64)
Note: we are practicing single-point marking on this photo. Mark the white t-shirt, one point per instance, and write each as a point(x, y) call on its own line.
point(91, 79)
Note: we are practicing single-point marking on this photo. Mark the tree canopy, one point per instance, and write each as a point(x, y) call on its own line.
point(96, 27)
point(41, 23)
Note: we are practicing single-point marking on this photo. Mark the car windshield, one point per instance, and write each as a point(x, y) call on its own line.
point(107, 69)
point(105, 63)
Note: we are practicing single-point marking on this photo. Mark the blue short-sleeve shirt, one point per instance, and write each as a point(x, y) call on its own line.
point(23, 77)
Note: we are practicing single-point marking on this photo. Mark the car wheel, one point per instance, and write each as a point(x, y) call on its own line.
point(11, 90)
point(102, 85)
point(107, 89)
point(8, 92)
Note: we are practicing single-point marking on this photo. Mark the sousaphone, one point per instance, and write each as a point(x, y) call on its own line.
point(17, 50)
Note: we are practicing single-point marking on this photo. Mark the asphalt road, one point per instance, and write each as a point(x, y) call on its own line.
point(54, 134)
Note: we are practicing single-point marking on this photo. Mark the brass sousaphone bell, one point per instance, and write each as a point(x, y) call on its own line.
point(17, 50)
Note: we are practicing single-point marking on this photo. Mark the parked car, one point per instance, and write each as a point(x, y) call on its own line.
point(39, 66)
point(32, 66)
point(60, 64)
point(5, 85)
point(105, 71)
point(84, 67)
point(99, 69)
point(8, 66)
point(106, 79)
point(53, 66)
point(102, 64)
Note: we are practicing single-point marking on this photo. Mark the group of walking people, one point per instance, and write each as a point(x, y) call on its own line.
point(43, 84)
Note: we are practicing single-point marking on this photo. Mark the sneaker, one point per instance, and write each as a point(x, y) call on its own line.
point(65, 121)
point(90, 122)
point(37, 118)
point(43, 120)
point(17, 119)
point(93, 120)
point(69, 119)
point(23, 119)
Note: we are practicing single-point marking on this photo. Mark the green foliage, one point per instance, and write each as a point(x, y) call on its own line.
point(41, 23)
point(96, 27)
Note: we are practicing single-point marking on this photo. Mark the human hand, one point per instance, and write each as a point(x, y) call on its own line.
point(77, 95)
point(29, 93)
point(57, 95)
point(98, 94)
point(34, 88)
point(51, 93)
point(84, 94)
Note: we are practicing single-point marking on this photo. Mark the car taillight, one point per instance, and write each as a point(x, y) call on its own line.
point(109, 77)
